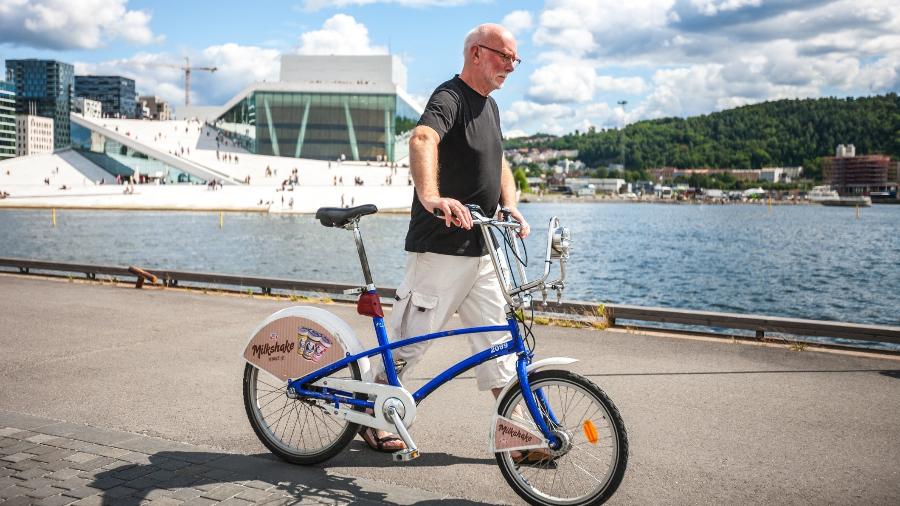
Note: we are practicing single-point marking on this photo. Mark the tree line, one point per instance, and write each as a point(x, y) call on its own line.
point(778, 133)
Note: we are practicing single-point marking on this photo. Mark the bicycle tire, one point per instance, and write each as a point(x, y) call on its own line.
point(276, 423)
point(568, 394)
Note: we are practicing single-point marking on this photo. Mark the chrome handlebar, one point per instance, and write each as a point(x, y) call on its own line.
point(558, 247)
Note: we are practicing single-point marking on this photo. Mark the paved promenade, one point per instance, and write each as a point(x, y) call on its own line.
point(112, 395)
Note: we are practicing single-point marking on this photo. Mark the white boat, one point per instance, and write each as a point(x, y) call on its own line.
point(821, 194)
point(849, 201)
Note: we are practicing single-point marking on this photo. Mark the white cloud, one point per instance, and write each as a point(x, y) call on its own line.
point(341, 34)
point(315, 5)
point(561, 82)
point(713, 7)
point(705, 55)
point(534, 117)
point(627, 85)
point(156, 74)
point(237, 65)
point(63, 24)
point(577, 81)
point(517, 21)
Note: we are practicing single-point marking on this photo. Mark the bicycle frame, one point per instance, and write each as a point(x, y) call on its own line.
point(515, 344)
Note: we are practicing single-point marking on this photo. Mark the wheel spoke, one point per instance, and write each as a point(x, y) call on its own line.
point(581, 471)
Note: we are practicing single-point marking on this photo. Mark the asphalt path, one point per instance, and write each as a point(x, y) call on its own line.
point(709, 421)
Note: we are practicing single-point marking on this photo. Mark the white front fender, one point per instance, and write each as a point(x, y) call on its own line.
point(540, 364)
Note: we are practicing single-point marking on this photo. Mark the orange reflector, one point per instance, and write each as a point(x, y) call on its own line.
point(590, 432)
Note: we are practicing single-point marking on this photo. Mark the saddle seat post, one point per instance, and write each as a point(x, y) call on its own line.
point(361, 249)
point(369, 304)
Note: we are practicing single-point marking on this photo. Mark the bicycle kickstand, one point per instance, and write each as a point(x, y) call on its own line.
point(411, 451)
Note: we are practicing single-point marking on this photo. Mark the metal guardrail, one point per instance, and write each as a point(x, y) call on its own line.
point(615, 313)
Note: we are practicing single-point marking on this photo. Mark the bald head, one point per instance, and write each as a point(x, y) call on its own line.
point(487, 34)
point(490, 55)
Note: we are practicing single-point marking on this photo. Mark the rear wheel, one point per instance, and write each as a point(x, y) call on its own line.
point(591, 462)
point(297, 430)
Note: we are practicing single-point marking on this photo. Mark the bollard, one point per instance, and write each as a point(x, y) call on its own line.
point(53, 214)
point(221, 219)
point(141, 276)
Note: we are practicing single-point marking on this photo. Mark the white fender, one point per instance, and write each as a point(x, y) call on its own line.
point(540, 364)
point(276, 347)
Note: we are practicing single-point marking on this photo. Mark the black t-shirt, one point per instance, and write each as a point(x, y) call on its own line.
point(469, 157)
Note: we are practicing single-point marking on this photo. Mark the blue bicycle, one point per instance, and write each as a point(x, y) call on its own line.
point(308, 385)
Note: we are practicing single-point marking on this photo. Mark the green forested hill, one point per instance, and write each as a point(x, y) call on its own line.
point(779, 133)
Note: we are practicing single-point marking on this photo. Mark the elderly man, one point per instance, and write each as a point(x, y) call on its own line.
point(456, 158)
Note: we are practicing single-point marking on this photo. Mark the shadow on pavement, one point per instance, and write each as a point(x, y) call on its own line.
point(358, 454)
point(259, 479)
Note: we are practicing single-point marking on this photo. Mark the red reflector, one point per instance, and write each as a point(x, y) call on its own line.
point(369, 305)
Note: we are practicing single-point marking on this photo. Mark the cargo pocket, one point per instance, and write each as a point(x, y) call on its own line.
point(420, 314)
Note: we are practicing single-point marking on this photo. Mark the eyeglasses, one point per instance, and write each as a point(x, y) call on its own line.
point(509, 60)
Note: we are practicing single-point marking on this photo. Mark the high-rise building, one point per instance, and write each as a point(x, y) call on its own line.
point(155, 108)
point(116, 93)
point(34, 135)
point(7, 120)
point(45, 88)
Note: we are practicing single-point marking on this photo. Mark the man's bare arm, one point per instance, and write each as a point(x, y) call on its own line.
point(508, 197)
point(423, 166)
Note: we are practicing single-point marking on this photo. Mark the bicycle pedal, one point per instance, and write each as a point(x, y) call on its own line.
point(405, 455)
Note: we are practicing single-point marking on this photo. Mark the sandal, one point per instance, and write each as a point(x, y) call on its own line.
point(538, 456)
point(379, 444)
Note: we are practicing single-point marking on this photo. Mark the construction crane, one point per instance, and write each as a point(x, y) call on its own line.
point(187, 75)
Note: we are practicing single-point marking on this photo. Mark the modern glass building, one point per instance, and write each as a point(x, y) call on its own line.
point(7, 120)
point(326, 108)
point(121, 160)
point(45, 88)
point(115, 93)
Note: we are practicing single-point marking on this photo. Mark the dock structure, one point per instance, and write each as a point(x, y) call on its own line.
point(115, 395)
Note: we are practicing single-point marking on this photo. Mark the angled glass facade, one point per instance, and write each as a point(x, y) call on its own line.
point(121, 160)
point(45, 88)
point(7, 120)
point(323, 126)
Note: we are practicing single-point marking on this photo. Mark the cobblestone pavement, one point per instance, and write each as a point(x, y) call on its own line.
point(47, 462)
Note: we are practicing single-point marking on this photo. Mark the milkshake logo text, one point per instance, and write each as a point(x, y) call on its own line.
point(516, 433)
point(268, 349)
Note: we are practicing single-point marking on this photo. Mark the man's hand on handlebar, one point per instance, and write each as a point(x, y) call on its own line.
point(524, 228)
point(451, 211)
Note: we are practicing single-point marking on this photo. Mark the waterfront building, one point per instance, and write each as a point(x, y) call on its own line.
point(856, 175)
point(120, 153)
point(34, 135)
point(780, 174)
point(745, 174)
point(88, 108)
point(116, 93)
point(7, 120)
point(326, 107)
point(45, 88)
point(155, 108)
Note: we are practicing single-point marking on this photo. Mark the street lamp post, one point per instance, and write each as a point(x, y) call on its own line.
point(623, 103)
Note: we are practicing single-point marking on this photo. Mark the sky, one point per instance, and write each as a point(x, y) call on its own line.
point(581, 58)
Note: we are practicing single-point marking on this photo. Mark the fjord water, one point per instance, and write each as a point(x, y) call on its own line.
point(799, 261)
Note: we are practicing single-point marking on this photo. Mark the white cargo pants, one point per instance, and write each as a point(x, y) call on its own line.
point(436, 286)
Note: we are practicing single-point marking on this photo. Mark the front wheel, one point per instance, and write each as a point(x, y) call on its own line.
point(297, 430)
point(589, 465)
